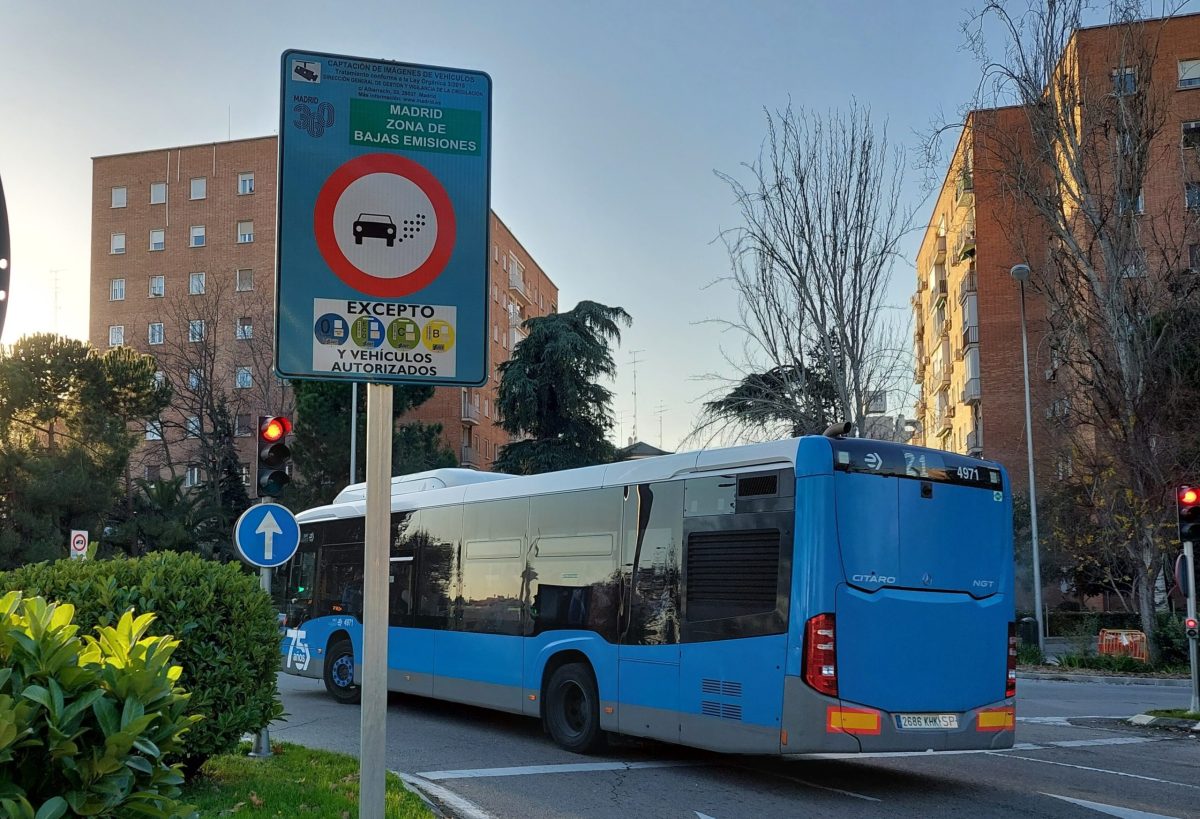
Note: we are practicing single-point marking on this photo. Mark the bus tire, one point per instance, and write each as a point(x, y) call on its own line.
point(572, 709)
point(339, 672)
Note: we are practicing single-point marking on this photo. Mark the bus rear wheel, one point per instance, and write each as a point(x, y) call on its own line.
point(339, 672)
point(572, 709)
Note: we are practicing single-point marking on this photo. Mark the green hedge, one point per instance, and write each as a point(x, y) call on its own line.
point(229, 646)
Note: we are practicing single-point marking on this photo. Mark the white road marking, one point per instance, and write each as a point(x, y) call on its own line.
point(700, 815)
point(1004, 755)
point(1091, 743)
point(570, 767)
point(464, 808)
point(1110, 810)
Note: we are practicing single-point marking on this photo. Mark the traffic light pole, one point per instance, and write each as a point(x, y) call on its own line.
point(261, 748)
point(1190, 568)
point(376, 551)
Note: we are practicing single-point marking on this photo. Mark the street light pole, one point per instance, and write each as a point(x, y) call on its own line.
point(1021, 272)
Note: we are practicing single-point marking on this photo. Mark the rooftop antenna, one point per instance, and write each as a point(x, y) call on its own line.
point(55, 273)
point(660, 410)
point(634, 360)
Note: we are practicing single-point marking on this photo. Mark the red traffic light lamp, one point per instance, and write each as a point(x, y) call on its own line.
point(274, 454)
point(1187, 504)
point(1191, 628)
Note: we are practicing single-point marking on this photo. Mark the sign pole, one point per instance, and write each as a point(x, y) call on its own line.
point(376, 551)
point(262, 740)
point(1189, 559)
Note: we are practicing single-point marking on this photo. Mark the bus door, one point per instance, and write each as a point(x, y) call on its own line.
point(648, 654)
point(404, 653)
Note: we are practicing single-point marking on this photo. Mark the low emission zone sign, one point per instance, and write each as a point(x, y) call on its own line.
point(383, 221)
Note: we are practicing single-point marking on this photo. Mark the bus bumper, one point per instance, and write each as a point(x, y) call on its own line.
point(813, 723)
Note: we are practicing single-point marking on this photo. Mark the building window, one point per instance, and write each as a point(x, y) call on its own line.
point(244, 280)
point(192, 478)
point(160, 378)
point(196, 236)
point(1189, 73)
point(196, 284)
point(116, 243)
point(192, 427)
point(245, 183)
point(1124, 81)
point(245, 232)
point(154, 430)
point(158, 286)
point(195, 379)
point(1191, 134)
point(119, 197)
point(1191, 194)
point(495, 293)
point(116, 335)
point(158, 193)
point(1128, 204)
point(199, 188)
point(158, 239)
point(196, 330)
point(244, 471)
point(156, 333)
point(242, 427)
point(245, 328)
point(116, 290)
point(243, 380)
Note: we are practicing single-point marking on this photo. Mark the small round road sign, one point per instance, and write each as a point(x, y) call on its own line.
point(79, 543)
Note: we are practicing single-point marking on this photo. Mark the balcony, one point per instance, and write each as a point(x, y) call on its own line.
point(919, 369)
point(971, 393)
point(941, 375)
point(939, 289)
point(515, 336)
point(939, 249)
point(470, 411)
point(968, 285)
point(944, 328)
point(964, 189)
point(945, 422)
point(970, 335)
point(516, 283)
point(964, 242)
point(975, 444)
point(470, 457)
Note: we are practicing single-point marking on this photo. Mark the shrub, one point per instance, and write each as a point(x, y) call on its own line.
point(1171, 640)
point(86, 724)
point(229, 646)
point(1030, 655)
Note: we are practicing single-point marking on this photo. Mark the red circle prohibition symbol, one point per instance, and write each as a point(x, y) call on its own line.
point(347, 271)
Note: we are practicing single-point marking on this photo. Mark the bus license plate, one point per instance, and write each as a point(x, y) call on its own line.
point(928, 720)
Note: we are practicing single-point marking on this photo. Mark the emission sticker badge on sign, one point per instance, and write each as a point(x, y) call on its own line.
point(354, 336)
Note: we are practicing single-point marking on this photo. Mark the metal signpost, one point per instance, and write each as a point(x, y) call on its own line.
point(267, 536)
point(381, 274)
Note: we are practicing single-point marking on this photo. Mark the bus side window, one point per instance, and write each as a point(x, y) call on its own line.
point(341, 577)
point(436, 537)
point(493, 557)
point(654, 537)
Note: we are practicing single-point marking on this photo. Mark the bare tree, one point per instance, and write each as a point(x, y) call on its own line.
point(1119, 293)
point(821, 221)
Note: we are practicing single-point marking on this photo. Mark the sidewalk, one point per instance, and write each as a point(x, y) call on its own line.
point(1067, 676)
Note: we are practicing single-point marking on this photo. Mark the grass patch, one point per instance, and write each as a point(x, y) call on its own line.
point(1177, 713)
point(295, 782)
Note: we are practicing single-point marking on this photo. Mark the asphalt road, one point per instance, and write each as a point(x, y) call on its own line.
point(1074, 758)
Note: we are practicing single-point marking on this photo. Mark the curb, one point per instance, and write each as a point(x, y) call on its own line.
point(1165, 722)
point(1167, 682)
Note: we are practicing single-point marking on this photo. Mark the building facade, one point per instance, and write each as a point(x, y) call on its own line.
point(183, 268)
point(966, 308)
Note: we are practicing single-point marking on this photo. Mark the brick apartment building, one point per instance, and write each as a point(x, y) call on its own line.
point(183, 268)
point(967, 336)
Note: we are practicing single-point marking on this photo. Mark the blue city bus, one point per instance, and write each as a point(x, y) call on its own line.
point(814, 595)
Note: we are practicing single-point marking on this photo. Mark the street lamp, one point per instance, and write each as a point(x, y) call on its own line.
point(1021, 272)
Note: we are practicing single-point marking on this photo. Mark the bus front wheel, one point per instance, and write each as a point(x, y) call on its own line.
point(572, 709)
point(339, 672)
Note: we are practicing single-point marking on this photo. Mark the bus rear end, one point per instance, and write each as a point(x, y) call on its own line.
point(903, 639)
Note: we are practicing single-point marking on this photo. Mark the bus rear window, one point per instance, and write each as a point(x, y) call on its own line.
point(895, 460)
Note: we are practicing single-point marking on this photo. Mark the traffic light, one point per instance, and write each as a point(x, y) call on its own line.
point(1191, 628)
point(1188, 504)
point(274, 454)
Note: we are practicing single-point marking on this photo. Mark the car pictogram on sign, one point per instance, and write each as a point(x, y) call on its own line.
point(374, 226)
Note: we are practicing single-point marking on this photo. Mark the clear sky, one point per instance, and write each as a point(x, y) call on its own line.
point(609, 120)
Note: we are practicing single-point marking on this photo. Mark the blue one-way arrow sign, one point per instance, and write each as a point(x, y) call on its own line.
point(267, 535)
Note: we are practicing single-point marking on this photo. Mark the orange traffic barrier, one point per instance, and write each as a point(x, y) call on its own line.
point(1121, 642)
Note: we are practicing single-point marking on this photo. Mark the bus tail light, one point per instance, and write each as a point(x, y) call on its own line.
point(1010, 681)
point(820, 655)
